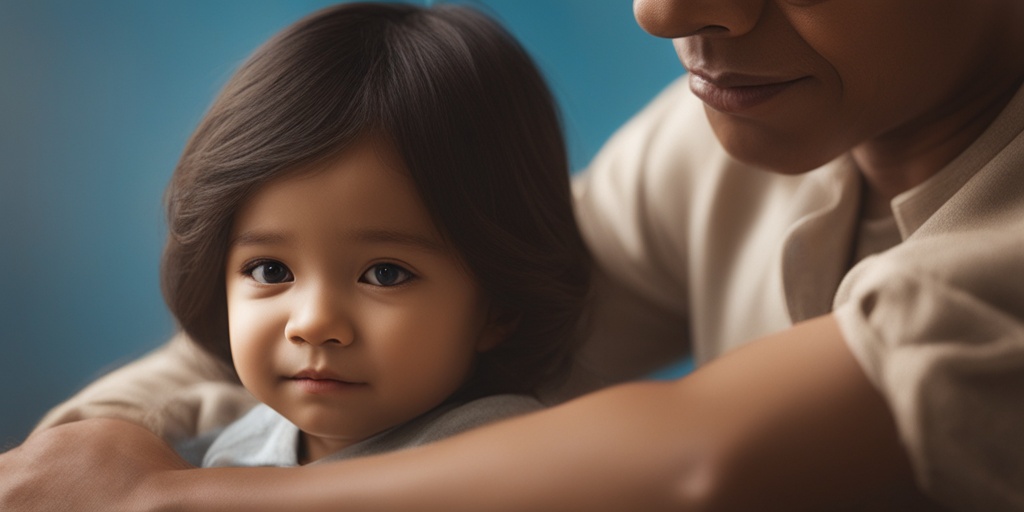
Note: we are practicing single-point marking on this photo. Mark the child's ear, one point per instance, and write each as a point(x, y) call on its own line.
point(500, 325)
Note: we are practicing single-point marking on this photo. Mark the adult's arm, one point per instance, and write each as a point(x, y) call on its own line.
point(789, 422)
point(936, 323)
point(175, 391)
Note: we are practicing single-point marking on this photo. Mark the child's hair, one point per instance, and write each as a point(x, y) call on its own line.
point(476, 127)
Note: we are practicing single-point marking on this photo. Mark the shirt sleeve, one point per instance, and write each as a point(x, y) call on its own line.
point(938, 326)
point(177, 391)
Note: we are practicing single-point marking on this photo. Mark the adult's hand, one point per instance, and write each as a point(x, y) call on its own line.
point(95, 464)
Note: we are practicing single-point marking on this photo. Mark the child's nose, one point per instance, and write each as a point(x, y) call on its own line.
point(319, 317)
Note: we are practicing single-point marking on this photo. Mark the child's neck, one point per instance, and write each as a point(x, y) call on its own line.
point(312, 448)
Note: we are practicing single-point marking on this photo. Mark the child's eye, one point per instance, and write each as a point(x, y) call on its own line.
point(386, 274)
point(269, 272)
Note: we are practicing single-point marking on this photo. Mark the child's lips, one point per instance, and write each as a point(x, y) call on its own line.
point(322, 378)
point(315, 374)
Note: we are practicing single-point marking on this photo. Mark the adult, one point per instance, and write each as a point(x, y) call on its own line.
point(883, 251)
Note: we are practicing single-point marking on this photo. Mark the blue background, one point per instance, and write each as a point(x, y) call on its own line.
point(96, 101)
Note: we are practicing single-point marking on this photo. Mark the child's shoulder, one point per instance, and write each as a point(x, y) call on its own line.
point(491, 408)
point(453, 419)
point(444, 421)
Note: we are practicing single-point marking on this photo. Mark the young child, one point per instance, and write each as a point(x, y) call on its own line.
point(373, 223)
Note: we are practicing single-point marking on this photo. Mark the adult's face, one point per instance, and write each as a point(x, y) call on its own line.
point(791, 84)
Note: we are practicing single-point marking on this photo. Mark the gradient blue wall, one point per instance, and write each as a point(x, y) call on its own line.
point(96, 101)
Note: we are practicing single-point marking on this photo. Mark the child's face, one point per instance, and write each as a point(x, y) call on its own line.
point(791, 84)
point(348, 314)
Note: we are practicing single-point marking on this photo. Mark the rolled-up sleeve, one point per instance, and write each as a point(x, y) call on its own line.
point(938, 326)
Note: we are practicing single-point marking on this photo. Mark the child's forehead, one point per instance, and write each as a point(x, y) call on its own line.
point(360, 170)
point(362, 189)
point(369, 149)
point(368, 156)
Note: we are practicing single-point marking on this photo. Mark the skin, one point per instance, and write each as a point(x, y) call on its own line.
point(618, 449)
point(716, 440)
point(348, 313)
point(872, 77)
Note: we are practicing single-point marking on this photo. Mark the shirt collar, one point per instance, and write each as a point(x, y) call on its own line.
point(915, 206)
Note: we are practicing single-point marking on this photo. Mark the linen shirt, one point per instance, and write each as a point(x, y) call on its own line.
point(699, 253)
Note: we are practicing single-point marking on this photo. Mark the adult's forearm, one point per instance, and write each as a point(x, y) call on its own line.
point(787, 423)
point(560, 459)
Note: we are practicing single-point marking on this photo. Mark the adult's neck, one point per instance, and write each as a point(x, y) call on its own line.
point(909, 154)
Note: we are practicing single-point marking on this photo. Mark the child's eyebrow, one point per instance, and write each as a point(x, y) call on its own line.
point(379, 236)
point(257, 238)
point(399, 237)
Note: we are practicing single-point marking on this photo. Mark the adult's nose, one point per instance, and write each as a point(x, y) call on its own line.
point(682, 18)
point(319, 317)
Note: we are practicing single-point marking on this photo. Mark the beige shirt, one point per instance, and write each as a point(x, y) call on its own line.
point(701, 253)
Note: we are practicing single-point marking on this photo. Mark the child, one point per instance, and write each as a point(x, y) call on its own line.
point(373, 223)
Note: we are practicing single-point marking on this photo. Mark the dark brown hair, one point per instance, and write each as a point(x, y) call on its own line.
point(476, 127)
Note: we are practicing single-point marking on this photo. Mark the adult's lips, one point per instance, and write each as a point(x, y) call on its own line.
point(735, 92)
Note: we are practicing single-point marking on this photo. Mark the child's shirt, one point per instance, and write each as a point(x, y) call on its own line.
point(265, 438)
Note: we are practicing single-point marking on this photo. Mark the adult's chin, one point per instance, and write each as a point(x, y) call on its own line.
point(773, 149)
